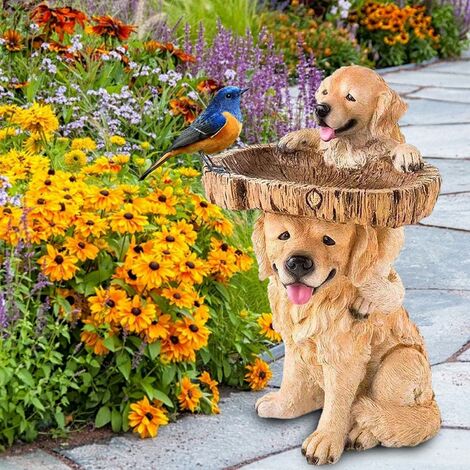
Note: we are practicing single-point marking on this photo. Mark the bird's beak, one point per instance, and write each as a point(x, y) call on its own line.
point(243, 90)
point(154, 166)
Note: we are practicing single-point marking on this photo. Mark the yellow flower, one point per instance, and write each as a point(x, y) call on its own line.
point(258, 375)
point(152, 270)
point(84, 143)
point(207, 380)
point(88, 224)
point(179, 297)
point(176, 347)
point(145, 145)
point(265, 321)
point(192, 270)
point(188, 172)
point(81, 248)
point(7, 132)
point(38, 118)
point(127, 220)
point(136, 315)
point(58, 266)
point(159, 328)
point(190, 395)
point(105, 305)
point(94, 341)
point(117, 140)
point(75, 158)
point(194, 331)
point(106, 199)
point(146, 418)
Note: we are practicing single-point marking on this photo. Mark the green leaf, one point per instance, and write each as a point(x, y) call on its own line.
point(154, 349)
point(123, 362)
point(60, 419)
point(116, 420)
point(125, 417)
point(26, 377)
point(163, 397)
point(168, 375)
point(113, 343)
point(103, 417)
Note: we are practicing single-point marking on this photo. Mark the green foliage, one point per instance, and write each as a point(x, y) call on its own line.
point(445, 22)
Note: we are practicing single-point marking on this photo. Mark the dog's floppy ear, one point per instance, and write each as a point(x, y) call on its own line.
point(364, 254)
point(259, 245)
point(390, 108)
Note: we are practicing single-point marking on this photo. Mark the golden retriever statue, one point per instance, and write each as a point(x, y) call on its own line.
point(371, 377)
point(357, 114)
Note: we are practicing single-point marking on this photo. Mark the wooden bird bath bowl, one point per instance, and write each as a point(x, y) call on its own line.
point(261, 177)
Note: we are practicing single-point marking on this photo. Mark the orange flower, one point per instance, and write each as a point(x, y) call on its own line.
point(190, 395)
point(13, 40)
point(185, 106)
point(146, 418)
point(61, 20)
point(112, 27)
point(209, 86)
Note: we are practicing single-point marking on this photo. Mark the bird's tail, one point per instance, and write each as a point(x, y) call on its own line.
point(158, 163)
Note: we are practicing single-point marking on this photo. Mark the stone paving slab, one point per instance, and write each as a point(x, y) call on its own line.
point(452, 211)
point(421, 112)
point(37, 460)
point(451, 382)
point(441, 94)
point(460, 66)
point(434, 258)
point(207, 442)
point(432, 79)
point(449, 450)
point(404, 89)
point(440, 141)
point(455, 174)
point(465, 356)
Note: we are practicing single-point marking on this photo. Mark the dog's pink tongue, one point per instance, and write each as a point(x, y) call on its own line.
point(299, 294)
point(327, 133)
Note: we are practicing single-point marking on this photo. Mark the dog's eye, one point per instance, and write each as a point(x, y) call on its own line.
point(284, 236)
point(324, 92)
point(328, 240)
point(350, 97)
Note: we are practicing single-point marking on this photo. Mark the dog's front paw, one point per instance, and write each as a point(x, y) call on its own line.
point(362, 308)
point(323, 447)
point(406, 158)
point(360, 439)
point(272, 405)
point(298, 140)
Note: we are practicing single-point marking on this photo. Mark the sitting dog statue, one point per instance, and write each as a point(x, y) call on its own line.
point(371, 377)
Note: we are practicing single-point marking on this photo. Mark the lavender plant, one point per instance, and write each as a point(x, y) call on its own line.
point(272, 107)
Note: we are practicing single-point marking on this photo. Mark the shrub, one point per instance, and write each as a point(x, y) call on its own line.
point(117, 302)
point(445, 22)
point(329, 42)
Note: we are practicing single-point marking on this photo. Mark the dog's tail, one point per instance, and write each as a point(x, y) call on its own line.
point(398, 426)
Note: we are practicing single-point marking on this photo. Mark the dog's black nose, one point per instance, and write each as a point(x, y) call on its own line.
point(299, 265)
point(322, 109)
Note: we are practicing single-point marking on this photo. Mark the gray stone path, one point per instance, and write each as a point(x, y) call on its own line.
point(435, 267)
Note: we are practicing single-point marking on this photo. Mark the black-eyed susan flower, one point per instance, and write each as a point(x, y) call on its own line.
point(204, 209)
point(182, 297)
point(189, 396)
point(83, 143)
point(192, 269)
point(162, 201)
point(106, 304)
point(80, 248)
point(13, 40)
point(146, 418)
point(106, 199)
point(159, 328)
point(127, 220)
point(194, 331)
point(137, 314)
point(75, 158)
point(152, 270)
point(58, 266)
point(176, 348)
point(265, 321)
point(258, 375)
point(206, 380)
point(117, 140)
point(88, 224)
point(38, 119)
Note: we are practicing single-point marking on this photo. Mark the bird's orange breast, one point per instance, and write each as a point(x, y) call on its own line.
point(225, 137)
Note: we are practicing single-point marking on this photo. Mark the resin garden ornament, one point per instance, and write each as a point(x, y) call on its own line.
point(327, 238)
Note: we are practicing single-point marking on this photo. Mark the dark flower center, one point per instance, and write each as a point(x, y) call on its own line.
point(48, 182)
point(51, 172)
point(138, 249)
point(81, 245)
point(162, 198)
point(204, 204)
point(166, 252)
point(104, 192)
point(70, 299)
point(194, 328)
point(154, 266)
point(177, 295)
point(136, 311)
point(62, 207)
point(149, 415)
point(238, 252)
point(262, 375)
point(170, 238)
point(90, 222)
point(224, 247)
point(154, 322)
point(190, 264)
point(59, 259)
point(41, 201)
point(73, 179)
point(68, 197)
point(128, 216)
point(174, 339)
point(197, 303)
point(7, 210)
point(110, 303)
point(131, 275)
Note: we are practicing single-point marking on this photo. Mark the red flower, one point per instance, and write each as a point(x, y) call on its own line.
point(61, 20)
point(209, 86)
point(186, 107)
point(112, 27)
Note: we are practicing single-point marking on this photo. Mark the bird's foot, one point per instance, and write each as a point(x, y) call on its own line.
point(219, 170)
